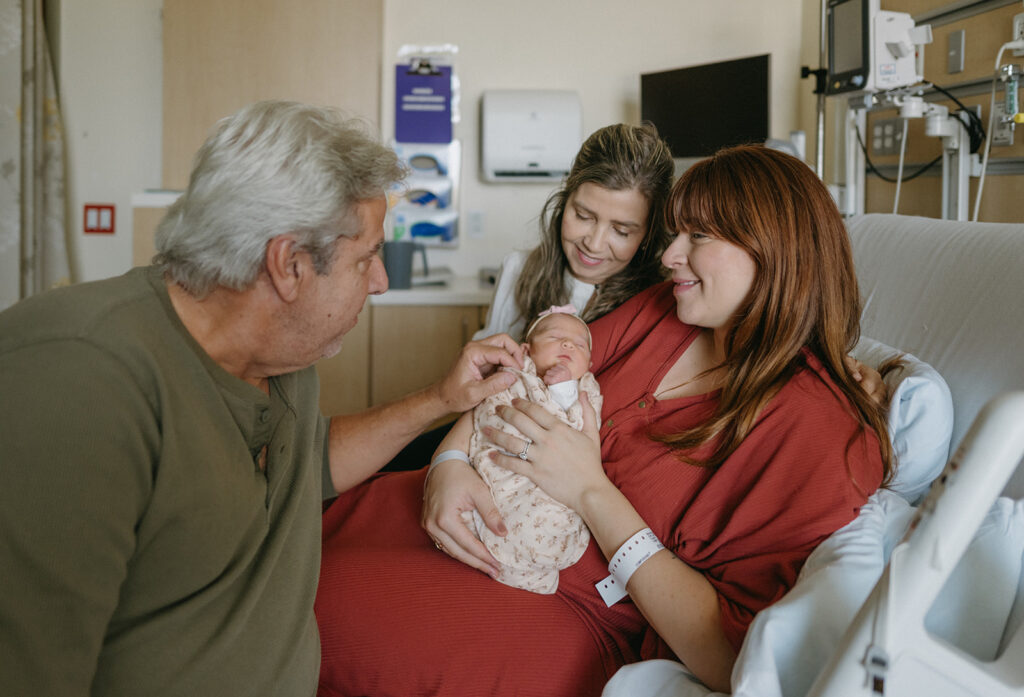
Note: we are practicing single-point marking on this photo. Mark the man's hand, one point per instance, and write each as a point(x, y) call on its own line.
point(362, 443)
point(475, 375)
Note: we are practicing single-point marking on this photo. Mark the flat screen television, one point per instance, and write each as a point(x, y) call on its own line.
point(701, 108)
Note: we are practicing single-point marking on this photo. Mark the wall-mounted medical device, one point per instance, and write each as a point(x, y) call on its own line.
point(529, 135)
point(870, 49)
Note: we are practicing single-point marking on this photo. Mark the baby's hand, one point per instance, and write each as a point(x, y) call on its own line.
point(557, 373)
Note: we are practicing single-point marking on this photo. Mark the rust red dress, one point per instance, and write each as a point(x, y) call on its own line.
point(398, 617)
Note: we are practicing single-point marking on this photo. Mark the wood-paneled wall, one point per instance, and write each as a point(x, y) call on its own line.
point(220, 56)
point(984, 33)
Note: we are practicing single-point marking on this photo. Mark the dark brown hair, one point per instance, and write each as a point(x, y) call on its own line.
point(620, 158)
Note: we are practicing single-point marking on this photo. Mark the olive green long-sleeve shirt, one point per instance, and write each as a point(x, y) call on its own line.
point(143, 551)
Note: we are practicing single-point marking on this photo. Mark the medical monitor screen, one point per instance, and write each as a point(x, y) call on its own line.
point(702, 108)
point(847, 45)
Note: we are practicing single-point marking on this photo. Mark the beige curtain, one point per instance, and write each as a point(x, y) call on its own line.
point(33, 243)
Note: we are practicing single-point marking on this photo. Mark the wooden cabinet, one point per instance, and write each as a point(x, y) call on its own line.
point(144, 222)
point(413, 346)
point(219, 56)
point(345, 377)
point(395, 350)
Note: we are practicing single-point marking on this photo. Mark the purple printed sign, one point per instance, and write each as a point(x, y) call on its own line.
point(423, 103)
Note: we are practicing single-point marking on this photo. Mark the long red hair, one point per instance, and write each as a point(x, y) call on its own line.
point(804, 292)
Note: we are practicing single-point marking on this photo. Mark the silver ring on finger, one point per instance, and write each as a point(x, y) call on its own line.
point(522, 456)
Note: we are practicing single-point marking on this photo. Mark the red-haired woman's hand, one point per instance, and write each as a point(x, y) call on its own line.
point(562, 461)
point(869, 379)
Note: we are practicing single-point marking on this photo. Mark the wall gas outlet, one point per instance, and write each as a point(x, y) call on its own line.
point(886, 135)
point(1002, 131)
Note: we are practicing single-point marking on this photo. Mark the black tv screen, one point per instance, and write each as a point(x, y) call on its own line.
point(702, 108)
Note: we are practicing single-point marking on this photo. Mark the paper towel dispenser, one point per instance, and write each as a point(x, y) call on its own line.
point(529, 135)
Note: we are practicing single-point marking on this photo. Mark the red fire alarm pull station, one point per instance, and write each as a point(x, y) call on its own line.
point(98, 218)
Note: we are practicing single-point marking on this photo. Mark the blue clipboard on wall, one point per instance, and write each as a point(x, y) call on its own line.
point(423, 102)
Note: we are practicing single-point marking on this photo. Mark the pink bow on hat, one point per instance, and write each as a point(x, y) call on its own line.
point(569, 309)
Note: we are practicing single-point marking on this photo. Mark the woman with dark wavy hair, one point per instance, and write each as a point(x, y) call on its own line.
point(732, 442)
point(602, 233)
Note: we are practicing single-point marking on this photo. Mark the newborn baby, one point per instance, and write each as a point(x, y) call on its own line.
point(544, 535)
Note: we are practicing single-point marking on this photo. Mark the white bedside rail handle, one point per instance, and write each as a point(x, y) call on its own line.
point(889, 628)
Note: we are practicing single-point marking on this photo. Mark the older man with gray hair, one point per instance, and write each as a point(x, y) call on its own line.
point(160, 482)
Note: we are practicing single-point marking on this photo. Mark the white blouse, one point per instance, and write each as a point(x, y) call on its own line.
point(503, 315)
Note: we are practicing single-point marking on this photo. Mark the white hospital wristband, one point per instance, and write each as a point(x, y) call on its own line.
point(630, 557)
point(450, 455)
point(441, 457)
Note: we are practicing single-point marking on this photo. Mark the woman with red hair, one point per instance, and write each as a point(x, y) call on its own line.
point(732, 441)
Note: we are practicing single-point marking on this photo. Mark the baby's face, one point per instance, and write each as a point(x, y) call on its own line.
point(560, 339)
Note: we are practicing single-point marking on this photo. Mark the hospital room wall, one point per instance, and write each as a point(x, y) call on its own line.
point(107, 58)
point(598, 48)
point(109, 63)
point(986, 25)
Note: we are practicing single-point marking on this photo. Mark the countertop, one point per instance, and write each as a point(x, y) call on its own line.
point(459, 290)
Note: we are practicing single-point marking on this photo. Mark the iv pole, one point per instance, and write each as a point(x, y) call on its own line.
point(956, 159)
point(851, 203)
point(819, 133)
point(820, 76)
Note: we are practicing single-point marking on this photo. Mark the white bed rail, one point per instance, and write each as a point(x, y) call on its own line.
point(887, 650)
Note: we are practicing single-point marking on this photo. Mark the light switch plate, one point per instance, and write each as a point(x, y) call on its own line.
point(955, 63)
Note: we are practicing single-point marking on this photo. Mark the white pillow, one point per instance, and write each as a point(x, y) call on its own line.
point(920, 418)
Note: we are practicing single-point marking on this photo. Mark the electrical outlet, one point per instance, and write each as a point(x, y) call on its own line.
point(1018, 32)
point(886, 135)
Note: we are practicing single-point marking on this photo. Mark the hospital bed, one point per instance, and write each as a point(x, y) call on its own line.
point(923, 593)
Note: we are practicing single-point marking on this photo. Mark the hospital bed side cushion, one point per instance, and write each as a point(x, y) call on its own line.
point(973, 608)
point(920, 417)
point(952, 294)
